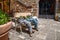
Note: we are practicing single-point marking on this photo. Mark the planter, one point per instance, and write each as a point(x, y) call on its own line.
point(4, 30)
point(4, 36)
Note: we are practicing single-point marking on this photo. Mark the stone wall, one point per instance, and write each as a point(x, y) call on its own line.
point(18, 7)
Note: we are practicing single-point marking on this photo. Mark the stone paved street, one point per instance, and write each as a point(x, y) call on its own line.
point(48, 30)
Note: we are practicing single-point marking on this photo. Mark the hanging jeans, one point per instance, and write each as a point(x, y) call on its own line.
point(34, 22)
point(28, 24)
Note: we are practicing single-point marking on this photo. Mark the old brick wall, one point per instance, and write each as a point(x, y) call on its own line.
point(18, 7)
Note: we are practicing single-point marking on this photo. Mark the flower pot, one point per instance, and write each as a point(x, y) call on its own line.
point(4, 30)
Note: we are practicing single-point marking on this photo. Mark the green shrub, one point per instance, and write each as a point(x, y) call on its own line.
point(4, 18)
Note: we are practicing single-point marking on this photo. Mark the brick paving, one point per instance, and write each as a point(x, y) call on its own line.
point(48, 30)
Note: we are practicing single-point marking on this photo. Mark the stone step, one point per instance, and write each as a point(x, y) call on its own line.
point(21, 37)
point(41, 36)
point(41, 26)
point(51, 35)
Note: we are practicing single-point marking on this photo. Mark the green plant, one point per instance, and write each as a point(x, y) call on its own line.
point(29, 16)
point(4, 18)
point(21, 17)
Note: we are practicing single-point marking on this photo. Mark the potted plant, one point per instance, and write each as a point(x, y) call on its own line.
point(5, 25)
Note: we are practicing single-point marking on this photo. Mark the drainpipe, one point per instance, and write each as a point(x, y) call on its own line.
point(9, 6)
point(3, 5)
point(56, 8)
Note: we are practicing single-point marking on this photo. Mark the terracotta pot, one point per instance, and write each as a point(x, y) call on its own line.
point(4, 30)
point(4, 36)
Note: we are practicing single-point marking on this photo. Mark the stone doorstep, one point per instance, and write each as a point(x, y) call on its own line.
point(42, 36)
point(55, 29)
point(58, 30)
point(22, 37)
point(42, 26)
point(54, 24)
point(58, 22)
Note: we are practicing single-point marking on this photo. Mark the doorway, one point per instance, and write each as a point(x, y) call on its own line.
point(47, 8)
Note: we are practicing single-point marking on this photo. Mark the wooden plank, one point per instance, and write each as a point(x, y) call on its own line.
point(21, 14)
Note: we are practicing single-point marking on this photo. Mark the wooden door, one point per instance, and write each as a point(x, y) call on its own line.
point(7, 6)
point(47, 8)
point(1, 5)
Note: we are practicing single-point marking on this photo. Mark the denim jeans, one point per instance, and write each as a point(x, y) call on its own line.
point(28, 24)
point(34, 22)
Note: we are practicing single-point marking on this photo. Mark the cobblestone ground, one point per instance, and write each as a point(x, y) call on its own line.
point(48, 30)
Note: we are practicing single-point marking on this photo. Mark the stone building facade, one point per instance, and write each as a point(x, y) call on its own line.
point(22, 6)
point(18, 6)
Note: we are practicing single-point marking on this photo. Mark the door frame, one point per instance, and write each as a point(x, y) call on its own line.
point(1, 5)
point(38, 8)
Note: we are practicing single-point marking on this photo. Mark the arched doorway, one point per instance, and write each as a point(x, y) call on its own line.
point(47, 8)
